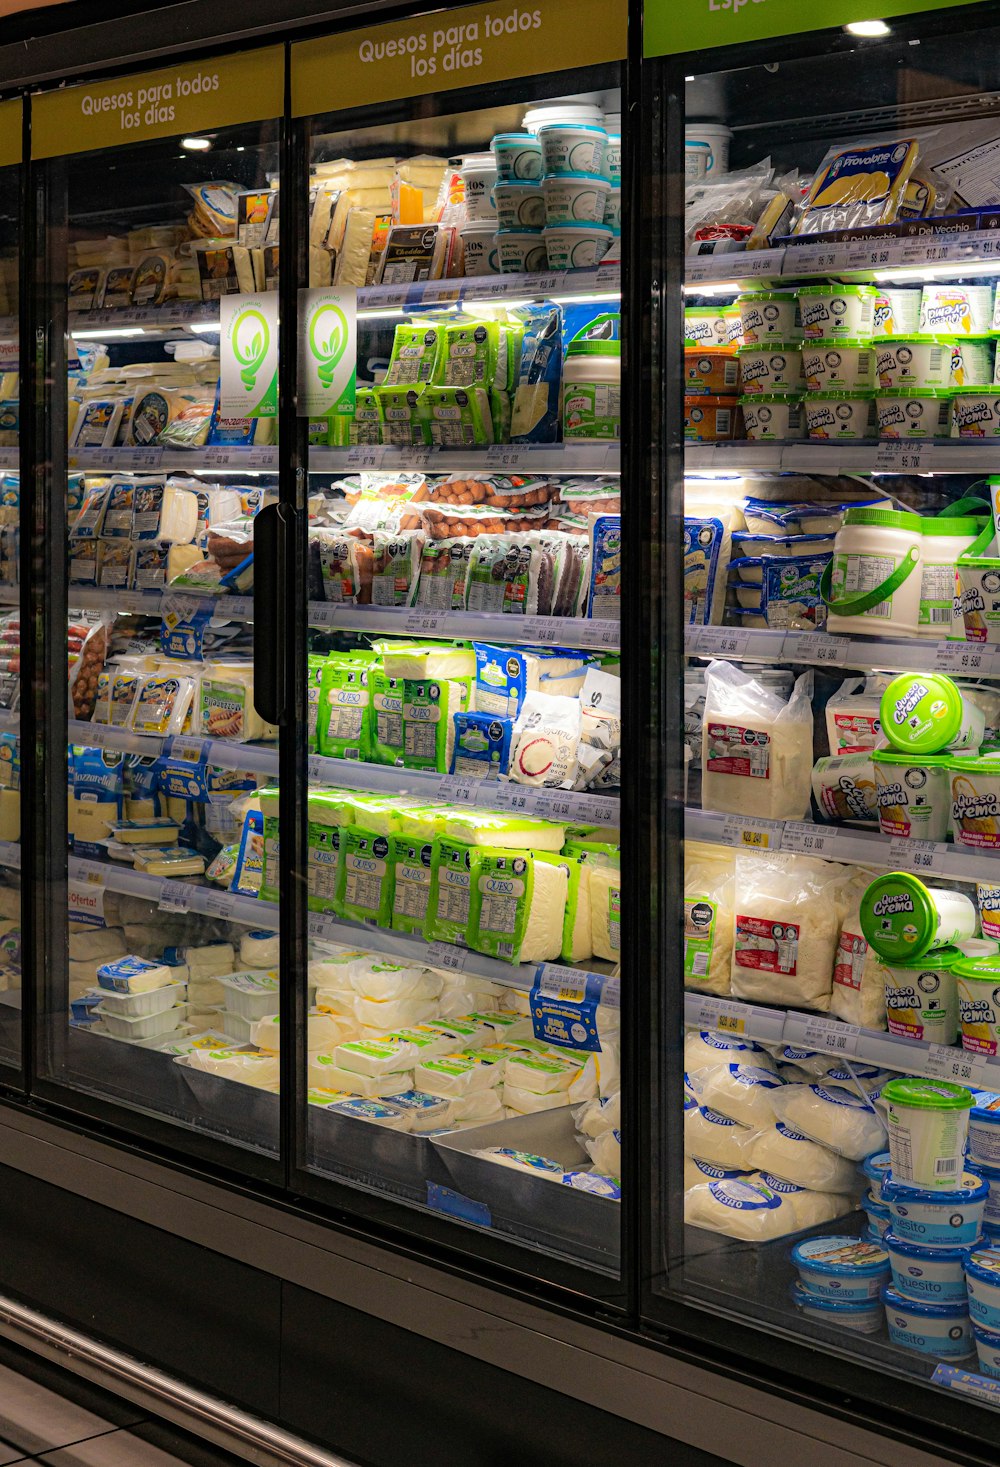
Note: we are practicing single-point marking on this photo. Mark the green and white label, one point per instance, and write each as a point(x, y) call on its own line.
point(249, 351)
point(328, 352)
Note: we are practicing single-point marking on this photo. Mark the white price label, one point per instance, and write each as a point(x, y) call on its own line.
point(146, 458)
point(605, 634)
point(900, 457)
point(261, 458)
point(867, 257)
point(721, 1015)
point(218, 904)
point(554, 805)
point(725, 641)
point(961, 657)
point(807, 259)
point(189, 749)
point(597, 809)
point(815, 647)
point(503, 456)
point(172, 897)
point(943, 1062)
point(216, 457)
point(321, 615)
point(755, 835)
point(369, 457)
point(801, 836)
point(392, 295)
point(445, 955)
point(831, 1037)
point(555, 980)
point(545, 284)
point(609, 277)
point(540, 628)
point(458, 791)
point(424, 621)
point(918, 855)
point(316, 768)
point(757, 264)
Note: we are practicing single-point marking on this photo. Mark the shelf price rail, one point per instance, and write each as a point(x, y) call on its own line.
point(962, 659)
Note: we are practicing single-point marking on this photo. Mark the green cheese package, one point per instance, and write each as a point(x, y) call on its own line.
point(577, 932)
point(381, 814)
point(402, 420)
point(415, 349)
point(323, 842)
point(270, 883)
point(344, 718)
point(410, 858)
point(456, 417)
point(386, 695)
point(595, 850)
point(359, 430)
point(490, 829)
point(517, 905)
point(329, 807)
point(314, 674)
point(448, 903)
point(500, 414)
point(426, 659)
point(364, 886)
point(472, 354)
point(428, 728)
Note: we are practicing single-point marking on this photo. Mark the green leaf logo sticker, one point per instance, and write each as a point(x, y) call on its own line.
point(251, 339)
point(328, 338)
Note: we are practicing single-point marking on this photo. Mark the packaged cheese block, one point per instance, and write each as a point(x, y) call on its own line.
point(377, 1057)
point(401, 1013)
point(168, 861)
point(324, 1071)
point(426, 660)
point(97, 942)
point(206, 993)
point(96, 423)
point(384, 981)
point(244, 1066)
point(133, 975)
point(713, 1137)
point(224, 269)
point(226, 704)
point(794, 1158)
point(455, 1076)
point(706, 1049)
point(164, 512)
point(833, 1115)
point(355, 247)
point(605, 906)
point(787, 924)
point(709, 881)
point(504, 832)
point(740, 1091)
point(543, 1073)
point(260, 949)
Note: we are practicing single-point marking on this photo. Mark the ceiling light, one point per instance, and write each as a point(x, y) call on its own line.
point(196, 145)
point(867, 28)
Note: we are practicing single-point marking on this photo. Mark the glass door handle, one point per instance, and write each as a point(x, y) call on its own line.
point(273, 540)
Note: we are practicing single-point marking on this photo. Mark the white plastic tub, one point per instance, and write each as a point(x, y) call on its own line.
point(837, 312)
point(912, 416)
point(520, 204)
point(975, 413)
point(479, 174)
point(573, 147)
point(914, 363)
point(773, 419)
point(613, 206)
point(522, 251)
point(574, 198)
point(942, 1331)
point(575, 246)
point(957, 310)
point(937, 1219)
point(481, 254)
point(770, 370)
point(769, 317)
point(120, 1027)
point(897, 313)
point(936, 1275)
point(252, 994)
point(517, 155)
point(840, 417)
point(706, 148)
point(847, 368)
point(140, 1005)
point(235, 1027)
point(972, 362)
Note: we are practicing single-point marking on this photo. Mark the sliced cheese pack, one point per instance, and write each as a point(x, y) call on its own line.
point(226, 707)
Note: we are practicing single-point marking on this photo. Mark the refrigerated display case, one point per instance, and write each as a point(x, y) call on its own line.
point(823, 452)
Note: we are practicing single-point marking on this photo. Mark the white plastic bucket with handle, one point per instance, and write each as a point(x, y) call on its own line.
point(706, 149)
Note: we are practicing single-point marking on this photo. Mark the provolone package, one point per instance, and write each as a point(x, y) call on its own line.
point(536, 415)
point(859, 187)
point(448, 905)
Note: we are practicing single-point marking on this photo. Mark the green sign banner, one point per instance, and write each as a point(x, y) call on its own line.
point(670, 26)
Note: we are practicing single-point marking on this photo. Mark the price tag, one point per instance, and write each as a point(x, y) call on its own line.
point(609, 276)
point(756, 264)
point(815, 647)
point(943, 1062)
point(899, 457)
point(755, 835)
point(556, 806)
point(597, 809)
point(722, 1015)
point(321, 615)
point(802, 836)
point(605, 634)
point(368, 457)
point(318, 768)
point(832, 1037)
point(391, 295)
point(261, 458)
point(810, 259)
point(503, 456)
point(146, 458)
point(867, 257)
point(696, 272)
point(424, 621)
point(961, 657)
point(546, 284)
point(172, 897)
point(540, 628)
point(445, 955)
point(556, 980)
point(218, 904)
point(189, 749)
point(458, 791)
point(906, 853)
point(725, 641)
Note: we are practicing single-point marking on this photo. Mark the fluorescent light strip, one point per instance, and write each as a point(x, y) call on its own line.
point(201, 327)
point(110, 331)
point(725, 287)
point(388, 312)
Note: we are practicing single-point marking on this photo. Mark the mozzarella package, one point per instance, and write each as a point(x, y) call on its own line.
point(714, 1137)
point(794, 1158)
point(786, 929)
point(706, 1048)
point(834, 1116)
point(741, 1092)
point(259, 949)
point(759, 1207)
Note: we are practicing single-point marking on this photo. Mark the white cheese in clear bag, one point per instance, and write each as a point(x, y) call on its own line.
point(740, 1091)
point(605, 902)
point(793, 1157)
point(259, 949)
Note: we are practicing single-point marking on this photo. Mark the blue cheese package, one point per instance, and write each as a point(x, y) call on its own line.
point(482, 745)
point(780, 592)
point(249, 873)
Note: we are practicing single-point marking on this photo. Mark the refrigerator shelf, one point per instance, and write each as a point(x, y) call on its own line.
point(829, 1036)
point(174, 318)
point(875, 456)
point(173, 460)
point(970, 659)
point(569, 805)
point(905, 259)
point(559, 285)
point(597, 457)
point(838, 843)
point(173, 895)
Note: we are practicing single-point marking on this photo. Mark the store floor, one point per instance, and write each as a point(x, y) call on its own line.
point(50, 1416)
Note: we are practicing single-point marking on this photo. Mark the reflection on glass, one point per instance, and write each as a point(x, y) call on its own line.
point(10, 626)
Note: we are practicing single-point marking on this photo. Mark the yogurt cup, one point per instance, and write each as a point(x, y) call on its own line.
point(942, 1331)
point(840, 417)
point(878, 1217)
point(837, 312)
point(902, 919)
point(773, 419)
point(711, 419)
point(517, 155)
point(482, 256)
point(957, 310)
point(978, 984)
point(876, 1169)
point(914, 416)
point(770, 371)
point(984, 1129)
point(897, 313)
point(914, 797)
point(975, 802)
point(841, 1268)
point(864, 1316)
point(975, 413)
point(576, 246)
point(835, 367)
point(713, 371)
point(928, 1122)
point(521, 251)
point(573, 147)
point(987, 1349)
point(479, 175)
point(926, 713)
point(519, 204)
point(921, 998)
point(937, 1219)
point(574, 198)
point(710, 326)
point(982, 1280)
point(613, 205)
point(972, 361)
point(913, 363)
point(769, 317)
point(921, 1272)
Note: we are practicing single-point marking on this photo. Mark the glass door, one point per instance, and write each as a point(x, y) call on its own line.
point(459, 1015)
point(825, 427)
point(159, 250)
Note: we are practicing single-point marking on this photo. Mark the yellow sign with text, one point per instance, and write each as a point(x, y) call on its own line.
point(194, 97)
point(475, 45)
point(11, 139)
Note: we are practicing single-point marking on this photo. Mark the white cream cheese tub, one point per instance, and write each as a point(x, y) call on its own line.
point(936, 1274)
point(987, 1348)
point(975, 802)
point(572, 198)
point(928, 1123)
point(769, 317)
point(479, 241)
point(937, 1219)
point(771, 418)
point(957, 310)
point(576, 246)
point(902, 919)
point(770, 370)
point(519, 204)
point(521, 251)
point(973, 361)
point(711, 327)
point(977, 591)
point(914, 416)
point(984, 1129)
point(517, 155)
point(848, 1268)
point(840, 417)
point(982, 1280)
point(921, 998)
point(835, 367)
point(875, 573)
point(837, 312)
point(613, 206)
point(897, 313)
point(975, 413)
point(913, 363)
point(876, 1169)
point(479, 175)
point(572, 147)
point(978, 983)
point(942, 1331)
point(863, 1316)
point(706, 148)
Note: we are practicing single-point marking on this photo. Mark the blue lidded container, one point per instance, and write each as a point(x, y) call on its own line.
point(863, 1315)
point(982, 1280)
point(949, 1218)
point(879, 1220)
point(841, 1267)
point(876, 1169)
point(942, 1331)
point(984, 1128)
point(928, 1271)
